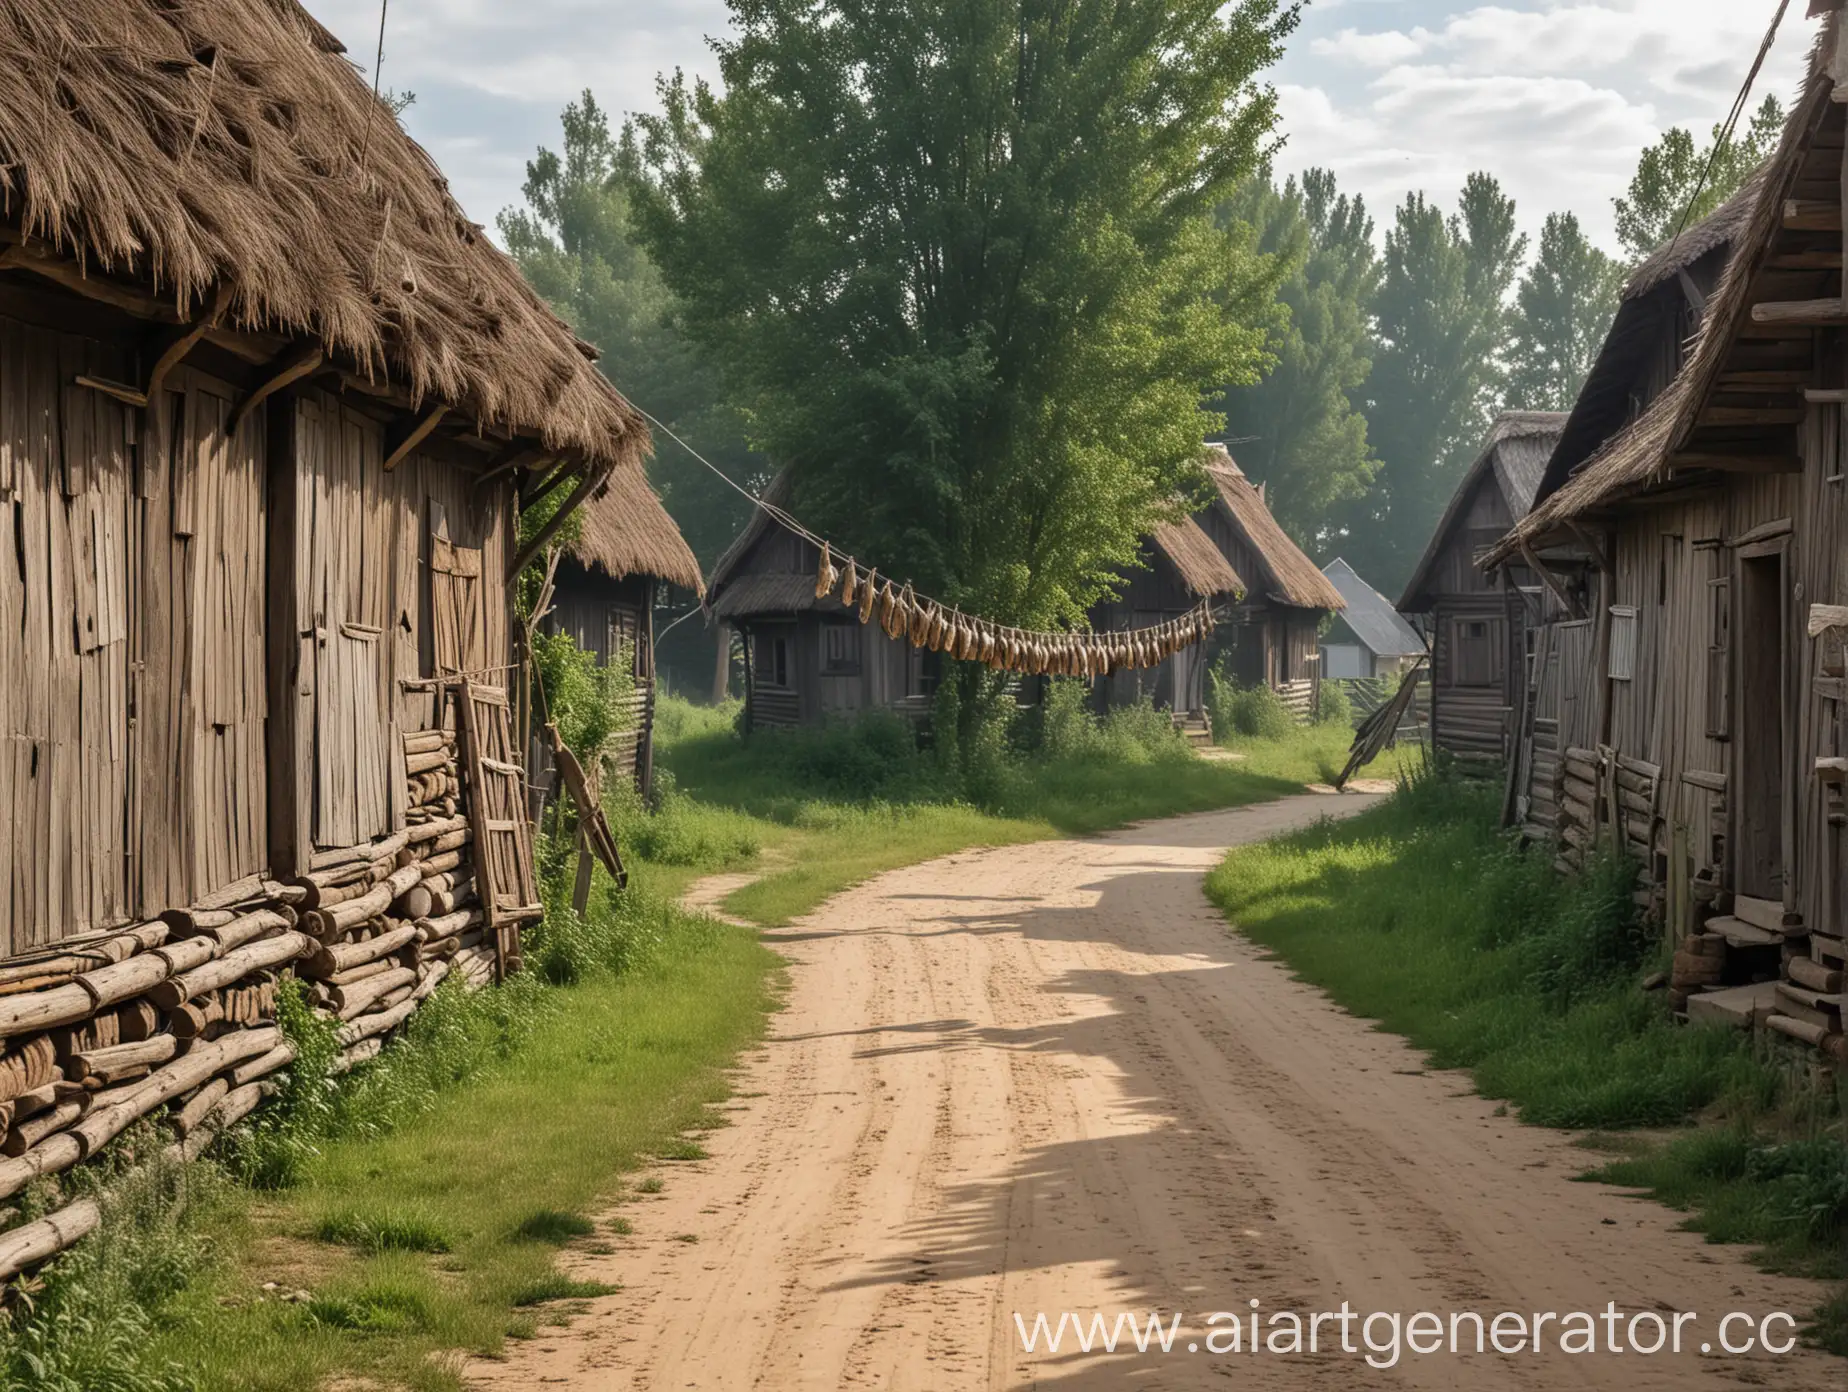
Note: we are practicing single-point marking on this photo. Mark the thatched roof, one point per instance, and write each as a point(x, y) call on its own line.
point(1647, 314)
point(735, 593)
point(189, 146)
point(1200, 564)
point(1289, 577)
point(1370, 615)
point(628, 532)
point(1641, 456)
point(1516, 453)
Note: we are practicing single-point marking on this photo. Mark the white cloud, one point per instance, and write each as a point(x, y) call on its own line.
point(1557, 97)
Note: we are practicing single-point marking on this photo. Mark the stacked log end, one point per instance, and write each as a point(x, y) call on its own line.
point(176, 1017)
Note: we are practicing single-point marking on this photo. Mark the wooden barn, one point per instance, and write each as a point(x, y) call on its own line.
point(1477, 623)
point(807, 660)
point(605, 592)
point(1180, 568)
point(269, 407)
point(1369, 638)
point(1711, 695)
point(1274, 635)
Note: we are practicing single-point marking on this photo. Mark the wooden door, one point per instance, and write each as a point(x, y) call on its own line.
point(345, 528)
point(1758, 811)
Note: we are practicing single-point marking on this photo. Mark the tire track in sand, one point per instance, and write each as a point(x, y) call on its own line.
point(1045, 1077)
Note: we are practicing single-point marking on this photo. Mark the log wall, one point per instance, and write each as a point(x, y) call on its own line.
point(176, 1015)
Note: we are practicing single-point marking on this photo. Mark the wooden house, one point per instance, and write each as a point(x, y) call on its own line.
point(269, 406)
point(807, 660)
point(1710, 692)
point(1274, 634)
point(1658, 315)
point(1369, 638)
point(1180, 569)
point(1476, 623)
point(605, 593)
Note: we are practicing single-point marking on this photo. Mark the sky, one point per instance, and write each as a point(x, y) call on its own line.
point(1556, 97)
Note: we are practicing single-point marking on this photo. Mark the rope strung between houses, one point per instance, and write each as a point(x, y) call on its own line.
point(1731, 124)
point(936, 627)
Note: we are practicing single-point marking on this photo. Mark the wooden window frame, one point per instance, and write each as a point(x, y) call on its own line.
point(848, 638)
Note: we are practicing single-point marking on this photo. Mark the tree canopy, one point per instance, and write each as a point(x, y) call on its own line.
point(1298, 430)
point(573, 241)
point(1676, 184)
point(1562, 311)
point(1442, 318)
point(958, 262)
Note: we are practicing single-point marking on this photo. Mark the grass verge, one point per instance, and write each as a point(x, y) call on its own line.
point(819, 811)
point(1420, 915)
point(422, 1222)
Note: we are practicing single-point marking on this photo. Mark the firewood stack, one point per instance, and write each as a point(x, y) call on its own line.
point(179, 1013)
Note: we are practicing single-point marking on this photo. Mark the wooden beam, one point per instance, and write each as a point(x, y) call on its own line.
point(1719, 416)
point(541, 486)
point(1592, 549)
point(176, 345)
point(1738, 463)
point(1811, 215)
point(121, 391)
point(1535, 564)
point(292, 366)
point(1747, 380)
point(1805, 261)
point(1808, 314)
point(1693, 292)
point(1825, 396)
point(38, 261)
point(515, 456)
point(592, 479)
point(415, 436)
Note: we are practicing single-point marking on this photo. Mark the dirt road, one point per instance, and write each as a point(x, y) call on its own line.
point(1047, 1079)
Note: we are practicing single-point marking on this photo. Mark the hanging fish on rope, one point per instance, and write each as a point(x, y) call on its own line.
point(850, 584)
point(868, 594)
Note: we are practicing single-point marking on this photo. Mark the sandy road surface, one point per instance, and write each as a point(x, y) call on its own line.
point(1046, 1078)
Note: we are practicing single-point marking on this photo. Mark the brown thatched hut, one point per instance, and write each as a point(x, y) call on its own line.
point(606, 590)
point(269, 407)
point(1274, 636)
point(1713, 685)
point(1180, 568)
point(1477, 625)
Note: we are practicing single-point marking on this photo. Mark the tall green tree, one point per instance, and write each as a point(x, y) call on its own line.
point(573, 241)
point(1562, 311)
point(1442, 321)
point(1297, 430)
point(1677, 183)
point(959, 258)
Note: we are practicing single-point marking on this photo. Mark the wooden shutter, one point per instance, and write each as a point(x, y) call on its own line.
point(497, 815)
point(1622, 665)
point(1719, 660)
point(457, 620)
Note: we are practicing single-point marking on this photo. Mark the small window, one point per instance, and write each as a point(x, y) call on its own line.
point(841, 648)
point(1623, 643)
point(1477, 659)
point(772, 660)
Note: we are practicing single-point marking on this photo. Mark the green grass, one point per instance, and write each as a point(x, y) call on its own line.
point(818, 811)
point(420, 1214)
point(1418, 914)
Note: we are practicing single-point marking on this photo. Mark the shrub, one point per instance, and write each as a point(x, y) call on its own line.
point(1332, 706)
point(1250, 712)
point(383, 1232)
